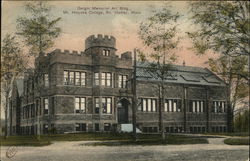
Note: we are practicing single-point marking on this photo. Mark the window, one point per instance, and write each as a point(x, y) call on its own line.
point(218, 107)
point(97, 105)
point(147, 105)
point(105, 52)
point(32, 110)
point(71, 78)
point(37, 107)
point(66, 77)
point(149, 129)
point(83, 78)
point(172, 105)
point(196, 106)
point(107, 105)
point(106, 79)
point(96, 79)
point(45, 129)
point(74, 78)
point(80, 127)
point(46, 106)
point(107, 126)
point(77, 76)
point(46, 80)
point(122, 81)
point(80, 105)
point(97, 127)
point(23, 112)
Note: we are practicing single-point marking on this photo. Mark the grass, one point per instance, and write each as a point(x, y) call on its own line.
point(23, 141)
point(237, 141)
point(155, 139)
point(107, 138)
point(238, 134)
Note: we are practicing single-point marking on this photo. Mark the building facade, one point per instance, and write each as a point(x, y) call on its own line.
point(90, 91)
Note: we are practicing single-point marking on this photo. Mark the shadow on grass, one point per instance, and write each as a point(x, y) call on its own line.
point(106, 138)
point(237, 141)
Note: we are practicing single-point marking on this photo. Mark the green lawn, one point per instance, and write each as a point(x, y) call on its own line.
point(122, 138)
point(23, 141)
point(238, 134)
point(170, 139)
point(237, 141)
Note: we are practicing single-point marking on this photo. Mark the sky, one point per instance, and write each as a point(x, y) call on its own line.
point(81, 19)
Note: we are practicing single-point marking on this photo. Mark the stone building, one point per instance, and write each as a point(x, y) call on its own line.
point(90, 91)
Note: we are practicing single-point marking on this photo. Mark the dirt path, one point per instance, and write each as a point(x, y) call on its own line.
point(216, 141)
point(216, 150)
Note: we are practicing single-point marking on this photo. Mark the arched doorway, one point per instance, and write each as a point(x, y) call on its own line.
point(122, 111)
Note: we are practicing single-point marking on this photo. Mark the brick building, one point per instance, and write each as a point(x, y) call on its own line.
point(91, 91)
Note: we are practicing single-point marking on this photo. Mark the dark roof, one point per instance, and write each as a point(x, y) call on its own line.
point(181, 74)
point(19, 84)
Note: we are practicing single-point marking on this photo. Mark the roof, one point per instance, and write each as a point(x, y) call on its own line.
point(181, 74)
point(19, 84)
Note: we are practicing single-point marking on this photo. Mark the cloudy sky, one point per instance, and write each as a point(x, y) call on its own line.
point(120, 19)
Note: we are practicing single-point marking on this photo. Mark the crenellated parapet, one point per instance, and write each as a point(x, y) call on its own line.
point(100, 41)
point(73, 52)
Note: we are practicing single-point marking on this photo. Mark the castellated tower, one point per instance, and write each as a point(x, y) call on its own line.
point(101, 45)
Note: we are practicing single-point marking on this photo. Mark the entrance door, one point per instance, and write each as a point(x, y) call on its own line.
point(123, 112)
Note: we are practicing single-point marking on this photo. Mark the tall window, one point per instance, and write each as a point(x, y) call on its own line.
point(96, 79)
point(66, 77)
point(80, 105)
point(46, 106)
point(218, 107)
point(71, 78)
point(45, 129)
point(83, 78)
point(106, 79)
point(172, 105)
point(196, 106)
point(147, 105)
point(107, 105)
point(37, 107)
point(46, 80)
point(122, 81)
point(74, 78)
point(77, 78)
point(97, 105)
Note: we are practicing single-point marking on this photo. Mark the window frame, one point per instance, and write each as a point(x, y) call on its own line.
point(97, 78)
point(97, 105)
point(46, 79)
point(105, 105)
point(173, 105)
point(81, 105)
point(122, 81)
point(46, 106)
point(197, 106)
point(105, 81)
point(145, 103)
point(106, 52)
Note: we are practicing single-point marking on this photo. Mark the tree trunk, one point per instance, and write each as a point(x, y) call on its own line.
point(6, 115)
point(161, 108)
point(134, 102)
